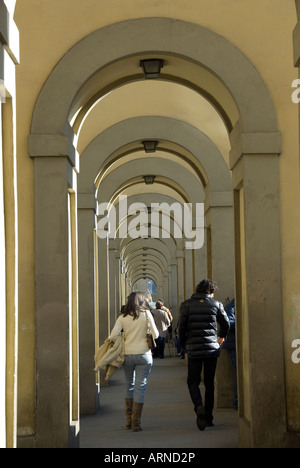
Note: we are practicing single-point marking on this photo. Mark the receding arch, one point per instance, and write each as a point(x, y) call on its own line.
point(188, 187)
point(93, 158)
point(168, 251)
point(130, 37)
point(154, 97)
point(163, 151)
point(138, 256)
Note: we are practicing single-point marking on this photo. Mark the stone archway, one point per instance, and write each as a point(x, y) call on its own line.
point(255, 142)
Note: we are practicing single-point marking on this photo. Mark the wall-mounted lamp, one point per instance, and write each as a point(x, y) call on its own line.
point(149, 180)
point(152, 68)
point(150, 146)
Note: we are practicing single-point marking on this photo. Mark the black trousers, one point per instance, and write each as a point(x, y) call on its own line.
point(194, 379)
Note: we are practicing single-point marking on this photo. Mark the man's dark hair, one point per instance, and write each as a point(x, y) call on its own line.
point(207, 287)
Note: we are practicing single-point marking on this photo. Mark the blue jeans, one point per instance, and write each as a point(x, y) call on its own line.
point(137, 368)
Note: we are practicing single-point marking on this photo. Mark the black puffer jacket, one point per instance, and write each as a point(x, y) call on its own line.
point(198, 327)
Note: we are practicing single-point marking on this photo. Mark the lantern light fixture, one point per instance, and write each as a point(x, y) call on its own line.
point(152, 68)
point(149, 180)
point(150, 146)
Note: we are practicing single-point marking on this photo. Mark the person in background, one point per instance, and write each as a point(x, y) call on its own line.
point(198, 334)
point(180, 352)
point(170, 329)
point(230, 345)
point(169, 311)
point(138, 358)
point(162, 322)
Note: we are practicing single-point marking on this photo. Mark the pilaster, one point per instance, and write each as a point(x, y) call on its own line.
point(56, 295)
point(255, 164)
point(180, 277)
point(87, 286)
point(52, 303)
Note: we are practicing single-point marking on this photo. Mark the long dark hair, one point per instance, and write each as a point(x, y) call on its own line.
point(136, 302)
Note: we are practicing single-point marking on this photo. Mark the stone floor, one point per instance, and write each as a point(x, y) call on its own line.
point(168, 419)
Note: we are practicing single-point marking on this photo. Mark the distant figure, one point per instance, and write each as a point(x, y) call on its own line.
point(180, 352)
point(230, 345)
point(198, 334)
point(162, 322)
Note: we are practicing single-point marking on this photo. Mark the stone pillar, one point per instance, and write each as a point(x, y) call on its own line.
point(180, 277)
point(166, 290)
point(9, 244)
point(52, 302)
point(86, 269)
point(200, 261)
point(292, 321)
point(174, 298)
point(127, 286)
point(55, 279)
point(118, 267)
point(262, 405)
point(103, 269)
point(189, 273)
point(123, 286)
point(114, 286)
point(170, 298)
point(104, 298)
point(219, 217)
point(2, 304)
point(159, 291)
point(220, 220)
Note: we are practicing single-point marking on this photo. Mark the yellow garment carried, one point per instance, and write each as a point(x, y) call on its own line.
point(110, 356)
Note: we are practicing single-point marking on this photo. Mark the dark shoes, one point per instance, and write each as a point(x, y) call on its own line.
point(201, 419)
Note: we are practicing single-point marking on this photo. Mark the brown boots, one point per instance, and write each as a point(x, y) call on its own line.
point(129, 407)
point(133, 415)
point(136, 416)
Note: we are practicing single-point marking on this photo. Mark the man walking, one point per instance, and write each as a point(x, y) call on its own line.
point(198, 335)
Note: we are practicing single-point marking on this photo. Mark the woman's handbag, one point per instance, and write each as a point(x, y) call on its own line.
point(150, 340)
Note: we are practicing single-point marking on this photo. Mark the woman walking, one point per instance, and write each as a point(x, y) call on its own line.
point(135, 321)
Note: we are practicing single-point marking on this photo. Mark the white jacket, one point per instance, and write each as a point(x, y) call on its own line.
point(135, 332)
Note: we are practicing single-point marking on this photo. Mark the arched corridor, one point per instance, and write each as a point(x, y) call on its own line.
point(115, 176)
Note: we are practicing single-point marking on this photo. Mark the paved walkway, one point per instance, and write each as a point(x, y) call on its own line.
point(168, 419)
